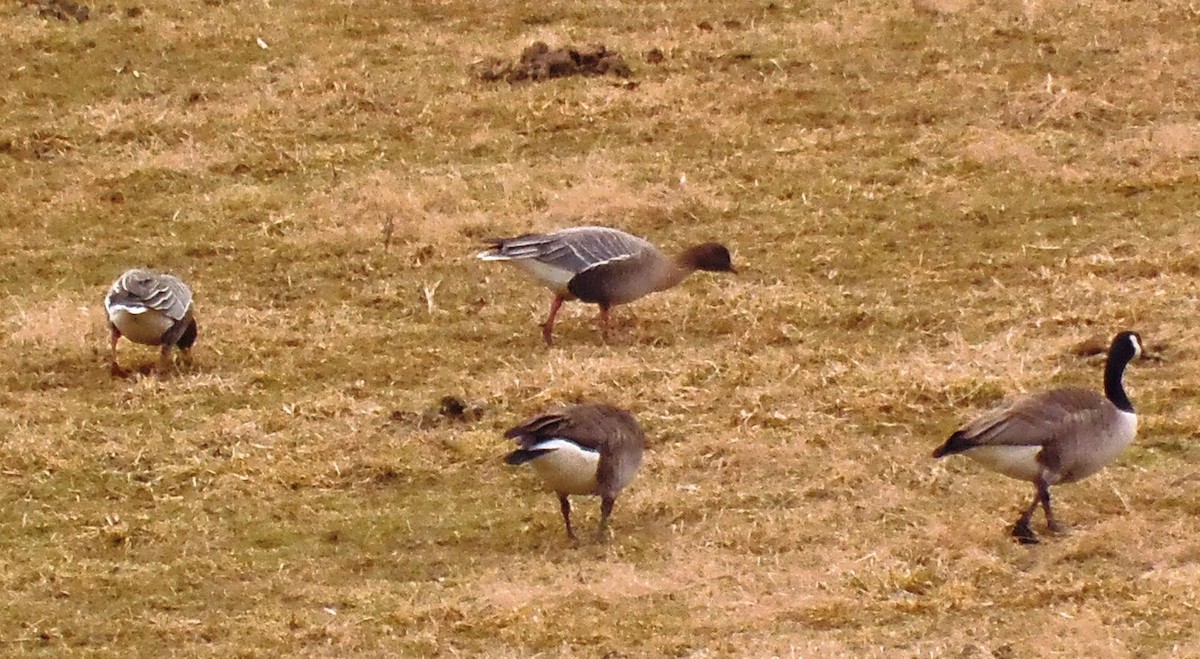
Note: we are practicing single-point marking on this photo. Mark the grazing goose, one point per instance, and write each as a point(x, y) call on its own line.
point(152, 309)
point(602, 266)
point(1057, 436)
point(588, 449)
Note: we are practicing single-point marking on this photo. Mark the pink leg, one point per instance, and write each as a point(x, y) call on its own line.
point(604, 322)
point(548, 326)
point(164, 362)
point(114, 368)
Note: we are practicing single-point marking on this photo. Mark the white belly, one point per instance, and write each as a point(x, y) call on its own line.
point(554, 278)
point(568, 469)
point(1018, 462)
point(146, 327)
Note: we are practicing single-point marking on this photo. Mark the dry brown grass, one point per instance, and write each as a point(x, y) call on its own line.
point(933, 203)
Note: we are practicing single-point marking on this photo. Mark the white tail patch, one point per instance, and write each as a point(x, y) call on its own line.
point(146, 326)
point(1018, 462)
point(567, 467)
point(554, 278)
point(127, 308)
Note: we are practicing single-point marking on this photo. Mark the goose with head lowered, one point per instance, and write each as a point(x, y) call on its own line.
point(150, 308)
point(1057, 436)
point(587, 449)
point(602, 266)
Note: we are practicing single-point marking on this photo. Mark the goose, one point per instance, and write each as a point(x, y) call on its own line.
point(1057, 436)
point(602, 266)
point(586, 449)
point(150, 308)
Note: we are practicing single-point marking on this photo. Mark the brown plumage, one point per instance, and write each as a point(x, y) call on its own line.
point(586, 449)
point(1057, 436)
point(602, 266)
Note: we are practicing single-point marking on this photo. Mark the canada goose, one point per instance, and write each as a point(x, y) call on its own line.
point(1058, 436)
point(602, 266)
point(587, 449)
point(152, 309)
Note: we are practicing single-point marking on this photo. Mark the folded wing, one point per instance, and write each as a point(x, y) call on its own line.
point(1034, 420)
point(143, 290)
point(574, 250)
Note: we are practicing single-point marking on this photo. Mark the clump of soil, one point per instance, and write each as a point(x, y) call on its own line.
point(1091, 346)
point(449, 410)
point(541, 62)
point(63, 10)
point(453, 408)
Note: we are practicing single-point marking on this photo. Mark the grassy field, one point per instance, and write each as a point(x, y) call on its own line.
point(932, 204)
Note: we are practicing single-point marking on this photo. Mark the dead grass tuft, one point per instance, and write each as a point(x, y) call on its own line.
point(385, 208)
point(1156, 147)
point(938, 8)
point(1005, 151)
point(645, 209)
point(62, 323)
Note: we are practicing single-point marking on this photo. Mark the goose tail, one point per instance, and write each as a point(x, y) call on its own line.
point(523, 455)
point(957, 443)
point(492, 254)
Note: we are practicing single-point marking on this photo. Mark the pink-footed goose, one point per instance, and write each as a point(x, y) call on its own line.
point(1057, 436)
point(587, 449)
point(150, 308)
point(602, 266)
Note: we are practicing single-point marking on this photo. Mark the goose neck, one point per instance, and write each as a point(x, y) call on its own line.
point(1114, 386)
point(673, 272)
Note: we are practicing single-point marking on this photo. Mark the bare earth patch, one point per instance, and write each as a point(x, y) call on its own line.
point(541, 62)
point(63, 10)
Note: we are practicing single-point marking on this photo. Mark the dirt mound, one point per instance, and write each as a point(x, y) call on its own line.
point(63, 10)
point(541, 62)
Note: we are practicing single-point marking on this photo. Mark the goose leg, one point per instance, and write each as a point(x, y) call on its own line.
point(1021, 530)
point(604, 322)
point(1044, 494)
point(164, 360)
point(175, 339)
point(565, 505)
point(606, 506)
point(548, 326)
point(114, 367)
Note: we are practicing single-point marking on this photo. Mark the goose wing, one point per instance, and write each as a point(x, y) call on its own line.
point(612, 431)
point(144, 290)
point(574, 250)
point(619, 280)
point(1035, 420)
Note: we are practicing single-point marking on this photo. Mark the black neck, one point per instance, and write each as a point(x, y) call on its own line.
point(1114, 389)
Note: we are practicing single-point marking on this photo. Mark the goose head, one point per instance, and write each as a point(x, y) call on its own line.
point(712, 257)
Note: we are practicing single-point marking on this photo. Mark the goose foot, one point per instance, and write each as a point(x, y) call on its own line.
point(1024, 534)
